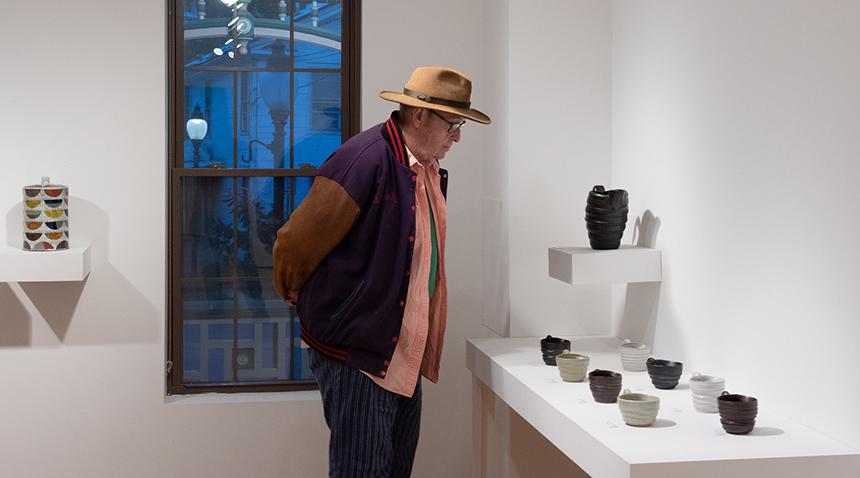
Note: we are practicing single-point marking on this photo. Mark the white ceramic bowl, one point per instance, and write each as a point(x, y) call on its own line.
point(705, 390)
point(634, 355)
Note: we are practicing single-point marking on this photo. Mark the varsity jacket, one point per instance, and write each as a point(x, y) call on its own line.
point(348, 249)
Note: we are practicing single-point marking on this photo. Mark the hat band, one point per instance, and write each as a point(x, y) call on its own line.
point(436, 101)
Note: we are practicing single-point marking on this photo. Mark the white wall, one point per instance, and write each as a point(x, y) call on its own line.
point(83, 100)
point(737, 124)
point(559, 147)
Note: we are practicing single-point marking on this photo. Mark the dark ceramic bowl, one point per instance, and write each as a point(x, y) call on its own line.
point(737, 413)
point(605, 385)
point(737, 409)
point(549, 358)
point(664, 374)
point(554, 344)
point(551, 346)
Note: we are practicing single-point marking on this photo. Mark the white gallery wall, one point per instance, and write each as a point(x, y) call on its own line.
point(83, 99)
point(738, 124)
point(559, 146)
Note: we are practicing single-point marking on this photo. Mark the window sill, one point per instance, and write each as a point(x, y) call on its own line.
point(257, 397)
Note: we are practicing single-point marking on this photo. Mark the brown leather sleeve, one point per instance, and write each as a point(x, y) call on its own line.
point(320, 222)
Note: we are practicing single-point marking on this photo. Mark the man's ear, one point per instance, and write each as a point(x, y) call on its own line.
point(419, 115)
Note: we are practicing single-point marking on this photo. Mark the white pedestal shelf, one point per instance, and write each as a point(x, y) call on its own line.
point(17, 265)
point(584, 265)
point(682, 443)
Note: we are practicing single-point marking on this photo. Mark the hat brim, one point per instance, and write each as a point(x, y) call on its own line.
point(468, 113)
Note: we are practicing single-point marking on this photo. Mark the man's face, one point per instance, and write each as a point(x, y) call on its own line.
point(442, 131)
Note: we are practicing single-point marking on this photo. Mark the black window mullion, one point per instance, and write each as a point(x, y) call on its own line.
point(234, 274)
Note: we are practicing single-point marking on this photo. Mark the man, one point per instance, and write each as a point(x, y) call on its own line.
point(363, 259)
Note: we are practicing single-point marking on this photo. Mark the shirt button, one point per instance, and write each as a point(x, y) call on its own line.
point(413, 208)
point(382, 373)
point(411, 238)
point(402, 303)
point(385, 363)
point(414, 178)
point(394, 340)
point(406, 273)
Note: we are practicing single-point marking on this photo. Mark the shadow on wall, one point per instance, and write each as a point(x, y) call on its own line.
point(105, 308)
point(15, 324)
point(639, 321)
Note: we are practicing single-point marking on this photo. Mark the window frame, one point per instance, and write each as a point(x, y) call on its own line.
point(350, 117)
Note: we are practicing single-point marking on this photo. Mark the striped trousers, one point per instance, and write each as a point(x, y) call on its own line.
point(374, 432)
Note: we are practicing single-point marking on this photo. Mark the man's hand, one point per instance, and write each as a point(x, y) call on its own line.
point(292, 297)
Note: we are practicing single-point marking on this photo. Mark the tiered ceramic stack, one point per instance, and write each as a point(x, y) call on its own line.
point(706, 389)
point(606, 217)
point(634, 355)
point(46, 217)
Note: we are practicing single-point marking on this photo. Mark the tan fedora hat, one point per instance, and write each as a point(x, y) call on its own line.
point(440, 89)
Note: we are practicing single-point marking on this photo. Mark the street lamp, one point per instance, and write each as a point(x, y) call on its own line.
point(276, 93)
point(196, 127)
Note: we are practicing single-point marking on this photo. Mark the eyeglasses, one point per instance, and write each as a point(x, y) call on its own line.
point(453, 126)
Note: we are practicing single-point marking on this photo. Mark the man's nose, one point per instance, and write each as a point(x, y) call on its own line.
point(456, 136)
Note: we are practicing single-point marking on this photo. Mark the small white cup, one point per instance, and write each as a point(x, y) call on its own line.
point(706, 389)
point(634, 355)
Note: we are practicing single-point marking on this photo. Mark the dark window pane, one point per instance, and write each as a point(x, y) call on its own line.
point(218, 365)
point(318, 35)
point(265, 120)
point(211, 94)
point(207, 229)
point(317, 117)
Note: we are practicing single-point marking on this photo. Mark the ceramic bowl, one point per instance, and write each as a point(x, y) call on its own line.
point(572, 367)
point(737, 412)
point(664, 374)
point(705, 390)
point(638, 409)
point(605, 385)
point(633, 356)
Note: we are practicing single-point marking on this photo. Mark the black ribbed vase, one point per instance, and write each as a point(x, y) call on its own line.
point(606, 217)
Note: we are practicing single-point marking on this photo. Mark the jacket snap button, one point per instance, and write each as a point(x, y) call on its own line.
point(394, 339)
point(402, 303)
point(411, 238)
point(382, 373)
point(385, 363)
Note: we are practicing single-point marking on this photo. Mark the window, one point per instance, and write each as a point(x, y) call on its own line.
point(261, 92)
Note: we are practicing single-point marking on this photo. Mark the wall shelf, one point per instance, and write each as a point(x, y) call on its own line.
point(682, 442)
point(17, 265)
point(584, 265)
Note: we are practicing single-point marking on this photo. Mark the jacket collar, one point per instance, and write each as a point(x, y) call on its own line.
point(394, 136)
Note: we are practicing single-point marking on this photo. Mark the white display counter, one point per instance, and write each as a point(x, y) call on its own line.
point(682, 443)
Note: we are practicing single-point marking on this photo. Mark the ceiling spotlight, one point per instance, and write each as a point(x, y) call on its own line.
point(229, 3)
point(231, 54)
point(218, 51)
